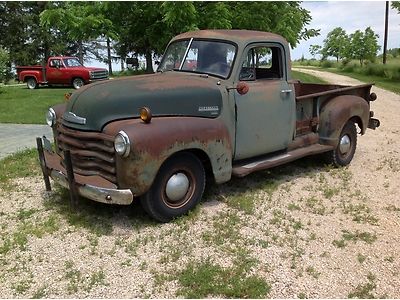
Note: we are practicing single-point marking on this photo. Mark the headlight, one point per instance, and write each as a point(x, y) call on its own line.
point(91, 73)
point(51, 117)
point(122, 145)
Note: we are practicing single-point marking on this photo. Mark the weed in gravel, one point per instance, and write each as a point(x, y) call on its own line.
point(40, 293)
point(391, 163)
point(204, 279)
point(225, 229)
point(366, 237)
point(302, 296)
point(96, 279)
point(24, 214)
point(361, 213)
point(364, 291)
point(242, 201)
point(22, 286)
point(313, 272)
point(361, 258)
point(73, 275)
point(90, 215)
point(315, 205)
point(293, 206)
point(389, 259)
point(329, 191)
point(392, 207)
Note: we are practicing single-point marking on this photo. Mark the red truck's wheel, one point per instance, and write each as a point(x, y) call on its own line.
point(344, 151)
point(177, 189)
point(78, 83)
point(31, 83)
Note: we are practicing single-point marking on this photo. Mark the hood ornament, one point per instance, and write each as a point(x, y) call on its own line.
point(73, 118)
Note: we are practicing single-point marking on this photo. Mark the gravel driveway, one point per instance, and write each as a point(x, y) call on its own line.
point(303, 230)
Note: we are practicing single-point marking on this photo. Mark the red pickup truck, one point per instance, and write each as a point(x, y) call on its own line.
point(60, 70)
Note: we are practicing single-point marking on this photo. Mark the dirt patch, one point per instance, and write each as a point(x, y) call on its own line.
point(301, 230)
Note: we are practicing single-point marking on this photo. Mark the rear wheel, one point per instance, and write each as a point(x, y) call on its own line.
point(77, 83)
point(31, 83)
point(178, 188)
point(344, 151)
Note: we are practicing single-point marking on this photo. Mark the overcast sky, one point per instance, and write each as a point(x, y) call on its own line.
point(350, 15)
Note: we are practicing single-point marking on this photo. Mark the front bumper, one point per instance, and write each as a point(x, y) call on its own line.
point(92, 187)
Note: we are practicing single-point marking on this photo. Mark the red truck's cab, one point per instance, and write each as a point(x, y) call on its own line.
point(60, 70)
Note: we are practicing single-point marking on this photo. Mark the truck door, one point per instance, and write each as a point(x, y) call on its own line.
point(265, 115)
point(54, 72)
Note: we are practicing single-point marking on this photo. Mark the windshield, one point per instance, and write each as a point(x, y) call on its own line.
point(199, 56)
point(72, 62)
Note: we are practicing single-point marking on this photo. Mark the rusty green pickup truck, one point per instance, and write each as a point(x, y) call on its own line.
point(222, 103)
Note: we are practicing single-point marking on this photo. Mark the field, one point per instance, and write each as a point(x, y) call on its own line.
point(20, 105)
point(304, 230)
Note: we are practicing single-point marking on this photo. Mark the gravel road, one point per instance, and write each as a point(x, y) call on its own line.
point(302, 230)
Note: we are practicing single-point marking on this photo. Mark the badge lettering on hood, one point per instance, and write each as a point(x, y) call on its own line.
point(73, 118)
point(211, 109)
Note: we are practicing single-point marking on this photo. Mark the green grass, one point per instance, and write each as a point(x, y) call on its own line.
point(24, 106)
point(205, 279)
point(20, 164)
point(306, 78)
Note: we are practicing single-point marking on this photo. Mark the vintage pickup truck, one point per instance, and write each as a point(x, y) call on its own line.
point(234, 109)
point(60, 70)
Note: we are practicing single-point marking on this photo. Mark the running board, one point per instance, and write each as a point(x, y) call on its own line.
point(249, 166)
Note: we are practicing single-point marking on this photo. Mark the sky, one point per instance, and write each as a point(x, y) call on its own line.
point(350, 15)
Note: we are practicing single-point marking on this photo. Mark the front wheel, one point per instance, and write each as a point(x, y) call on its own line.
point(344, 151)
point(77, 83)
point(178, 188)
point(31, 83)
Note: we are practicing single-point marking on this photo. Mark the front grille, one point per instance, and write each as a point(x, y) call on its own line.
point(92, 153)
point(99, 74)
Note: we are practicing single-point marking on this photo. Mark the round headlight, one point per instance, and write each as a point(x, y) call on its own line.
point(122, 144)
point(51, 117)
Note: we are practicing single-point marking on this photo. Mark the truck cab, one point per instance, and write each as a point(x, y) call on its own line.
point(221, 104)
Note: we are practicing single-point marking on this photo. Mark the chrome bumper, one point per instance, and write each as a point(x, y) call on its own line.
point(51, 167)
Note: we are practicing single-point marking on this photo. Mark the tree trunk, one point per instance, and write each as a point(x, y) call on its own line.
point(109, 56)
point(80, 52)
point(149, 62)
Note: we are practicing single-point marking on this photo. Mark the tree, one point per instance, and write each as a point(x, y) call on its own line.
point(81, 21)
point(315, 50)
point(4, 69)
point(335, 44)
point(396, 5)
point(364, 45)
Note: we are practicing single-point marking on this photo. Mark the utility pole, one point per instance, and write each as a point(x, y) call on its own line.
point(386, 32)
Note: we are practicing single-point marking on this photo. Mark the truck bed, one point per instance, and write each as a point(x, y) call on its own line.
point(305, 91)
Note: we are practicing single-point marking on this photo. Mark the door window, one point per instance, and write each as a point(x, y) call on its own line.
point(262, 63)
point(55, 63)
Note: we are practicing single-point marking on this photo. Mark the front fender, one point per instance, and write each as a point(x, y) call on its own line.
point(336, 112)
point(153, 143)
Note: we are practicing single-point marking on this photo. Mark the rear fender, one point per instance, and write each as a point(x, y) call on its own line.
point(336, 112)
point(152, 144)
point(24, 75)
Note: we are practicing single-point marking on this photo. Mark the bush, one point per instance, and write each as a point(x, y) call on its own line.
point(4, 69)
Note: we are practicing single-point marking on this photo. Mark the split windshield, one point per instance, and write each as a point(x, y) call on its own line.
point(72, 62)
point(199, 56)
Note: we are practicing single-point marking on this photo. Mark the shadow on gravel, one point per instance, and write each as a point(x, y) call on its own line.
point(101, 219)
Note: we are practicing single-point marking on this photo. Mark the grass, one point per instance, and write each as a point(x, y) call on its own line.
point(347, 236)
point(205, 279)
point(306, 78)
point(21, 164)
point(24, 106)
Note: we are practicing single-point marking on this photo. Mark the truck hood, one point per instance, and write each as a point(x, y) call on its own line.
point(165, 94)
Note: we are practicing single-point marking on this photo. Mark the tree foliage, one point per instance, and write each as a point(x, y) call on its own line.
point(315, 50)
point(396, 5)
point(364, 45)
point(335, 44)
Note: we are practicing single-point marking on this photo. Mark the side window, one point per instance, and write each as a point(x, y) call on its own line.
point(262, 63)
point(54, 63)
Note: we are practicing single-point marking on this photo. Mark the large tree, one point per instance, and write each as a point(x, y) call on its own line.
point(396, 5)
point(335, 44)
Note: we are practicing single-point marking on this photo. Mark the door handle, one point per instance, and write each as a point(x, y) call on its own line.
point(286, 91)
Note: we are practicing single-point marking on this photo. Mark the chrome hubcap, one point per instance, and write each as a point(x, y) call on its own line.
point(345, 144)
point(177, 187)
